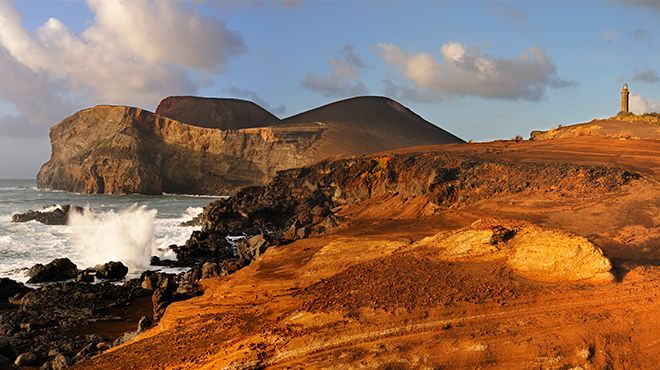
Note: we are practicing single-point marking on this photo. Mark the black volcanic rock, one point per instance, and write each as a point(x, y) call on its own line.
point(58, 216)
point(302, 202)
point(112, 271)
point(9, 288)
point(57, 270)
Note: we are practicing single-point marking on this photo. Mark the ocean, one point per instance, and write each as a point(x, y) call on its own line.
point(127, 228)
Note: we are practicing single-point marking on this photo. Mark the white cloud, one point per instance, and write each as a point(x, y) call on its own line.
point(342, 80)
point(135, 52)
point(466, 71)
point(639, 104)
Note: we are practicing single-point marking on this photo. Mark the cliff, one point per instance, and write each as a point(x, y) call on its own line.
point(117, 149)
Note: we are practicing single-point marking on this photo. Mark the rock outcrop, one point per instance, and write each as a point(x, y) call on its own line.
point(623, 127)
point(112, 271)
point(51, 215)
point(57, 270)
point(303, 202)
point(531, 251)
point(117, 149)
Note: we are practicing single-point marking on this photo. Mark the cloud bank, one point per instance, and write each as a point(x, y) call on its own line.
point(465, 71)
point(342, 80)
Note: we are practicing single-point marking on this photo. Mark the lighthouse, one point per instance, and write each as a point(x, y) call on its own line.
point(624, 99)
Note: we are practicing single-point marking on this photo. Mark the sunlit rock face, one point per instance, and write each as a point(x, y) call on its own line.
point(119, 150)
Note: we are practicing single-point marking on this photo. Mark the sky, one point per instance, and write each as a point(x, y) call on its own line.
point(481, 70)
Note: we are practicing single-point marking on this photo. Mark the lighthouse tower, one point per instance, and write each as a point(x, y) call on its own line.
point(624, 99)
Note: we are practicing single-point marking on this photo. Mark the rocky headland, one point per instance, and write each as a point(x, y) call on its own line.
point(419, 243)
point(509, 253)
point(223, 145)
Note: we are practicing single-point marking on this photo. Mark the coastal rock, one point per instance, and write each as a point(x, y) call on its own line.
point(252, 248)
point(60, 362)
point(531, 251)
point(119, 150)
point(163, 296)
point(202, 247)
point(112, 271)
point(51, 215)
point(10, 288)
point(5, 363)
point(144, 323)
point(84, 277)
point(210, 269)
point(57, 270)
point(6, 349)
point(290, 211)
point(27, 359)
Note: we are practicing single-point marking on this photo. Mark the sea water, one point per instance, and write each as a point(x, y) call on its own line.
point(127, 228)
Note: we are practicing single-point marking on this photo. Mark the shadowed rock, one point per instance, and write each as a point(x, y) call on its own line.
point(112, 271)
point(59, 215)
point(57, 270)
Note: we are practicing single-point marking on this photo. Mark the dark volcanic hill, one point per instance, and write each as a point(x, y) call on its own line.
point(117, 149)
point(219, 113)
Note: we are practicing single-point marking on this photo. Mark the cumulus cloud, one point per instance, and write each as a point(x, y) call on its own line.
point(342, 80)
point(647, 74)
point(134, 52)
point(254, 97)
point(640, 105)
point(37, 98)
point(466, 71)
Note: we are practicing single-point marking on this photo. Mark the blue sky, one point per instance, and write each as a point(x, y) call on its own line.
point(562, 62)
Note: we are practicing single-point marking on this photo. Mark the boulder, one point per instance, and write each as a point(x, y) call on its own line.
point(211, 269)
point(291, 232)
point(112, 271)
point(252, 248)
point(27, 359)
point(156, 261)
point(10, 288)
point(84, 277)
point(143, 324)
point(6, 349)
point(60, 362)
point(102, 346)
point(163, 296)
point(51, 215)
point(5, 363)
point(57, 270)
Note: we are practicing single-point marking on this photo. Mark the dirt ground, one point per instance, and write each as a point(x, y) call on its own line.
point(363, 296)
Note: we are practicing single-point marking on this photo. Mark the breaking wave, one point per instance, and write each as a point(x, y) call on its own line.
point(126, 236)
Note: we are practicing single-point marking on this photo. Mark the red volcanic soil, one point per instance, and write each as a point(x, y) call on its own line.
point(369, 295)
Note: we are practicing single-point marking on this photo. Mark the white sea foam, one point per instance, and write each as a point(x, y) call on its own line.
point(51, 208)
point(126, 236)
point(192, 212)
